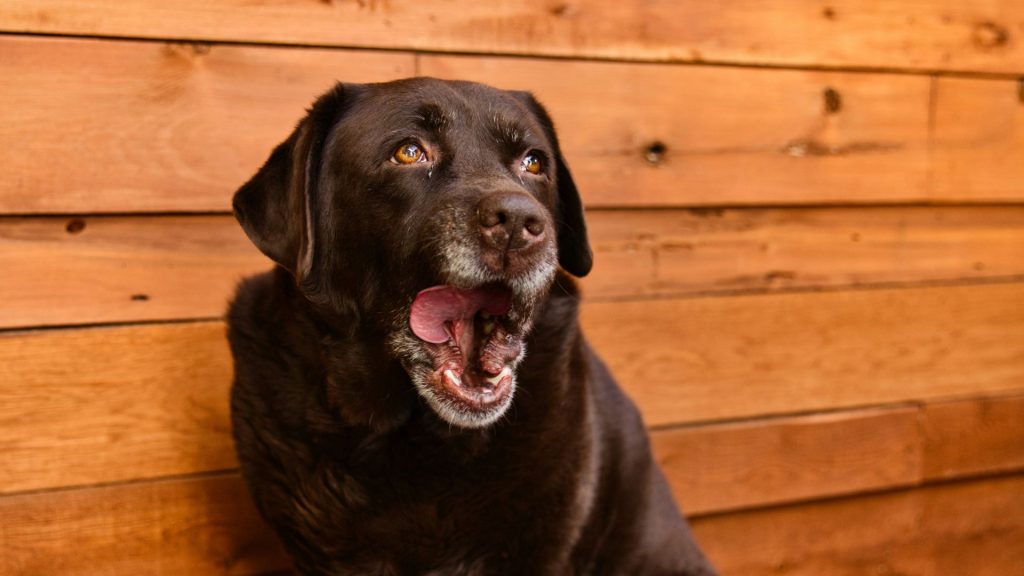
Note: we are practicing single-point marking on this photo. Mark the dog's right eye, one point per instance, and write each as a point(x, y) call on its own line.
point(409, 153)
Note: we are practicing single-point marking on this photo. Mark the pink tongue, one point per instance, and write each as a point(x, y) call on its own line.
point(437, 306)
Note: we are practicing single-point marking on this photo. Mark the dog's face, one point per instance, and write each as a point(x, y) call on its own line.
point(431, 216)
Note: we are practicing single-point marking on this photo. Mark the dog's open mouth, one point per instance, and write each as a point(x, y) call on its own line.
point(471, 340)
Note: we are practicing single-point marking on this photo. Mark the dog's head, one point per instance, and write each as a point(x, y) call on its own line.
point(430, 216)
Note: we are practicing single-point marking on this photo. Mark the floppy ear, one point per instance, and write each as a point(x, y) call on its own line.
point(277, 208)
point(574, 253)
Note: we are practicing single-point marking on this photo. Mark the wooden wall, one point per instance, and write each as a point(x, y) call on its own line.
point(809, 227)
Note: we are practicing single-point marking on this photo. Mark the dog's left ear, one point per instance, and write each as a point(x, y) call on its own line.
point(574, 253)
point(278, 208)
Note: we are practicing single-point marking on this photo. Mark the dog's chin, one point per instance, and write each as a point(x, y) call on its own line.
point(460, 401)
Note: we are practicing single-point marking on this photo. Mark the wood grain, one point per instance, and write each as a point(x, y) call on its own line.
point(194, 526)
point(207, 526)
point(979, 138)
point(730, 135)
point(98, 405)
point(914, 34)
point(740, 465)
point(966, 528)
point(107, 404)
point(722, 358)
point(973, 436)
point(139, 126)
point(74, 270)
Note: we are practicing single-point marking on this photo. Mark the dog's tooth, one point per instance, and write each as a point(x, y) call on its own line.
point(488, 327)
point(453, 378)
point(495, 380)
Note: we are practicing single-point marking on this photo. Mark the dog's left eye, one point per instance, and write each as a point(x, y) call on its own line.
point(409, 153)
point(532, 164)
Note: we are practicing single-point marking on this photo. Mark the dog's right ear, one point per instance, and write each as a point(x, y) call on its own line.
point(277, 208)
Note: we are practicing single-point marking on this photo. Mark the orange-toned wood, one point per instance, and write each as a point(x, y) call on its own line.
point(107, 404)
point(682, 252)
point(98, 405)
point(719, 358)
point(922, 34)
point(966, 528)
point(95, 126)
point(195, 526)
point(110, 269)
point(973, 436)
point(757, 462)
point(207, 526)
point(979, 138)
point(72, 270)
point(730, 135)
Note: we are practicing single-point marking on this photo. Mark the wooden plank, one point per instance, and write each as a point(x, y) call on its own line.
point(730, 135)
point(971, 528)
point(64, 271)
point(758, 462)
point(723, 358)
point(915, 34)
point(112, 269)
point(195, 526)
point(973, 436)
point(107, 404)
point(979, 138)
point(102, 405)
point(207, 526)
point(701, 251)
point(139, 126)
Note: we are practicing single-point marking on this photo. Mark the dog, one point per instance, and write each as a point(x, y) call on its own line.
point(412, 392)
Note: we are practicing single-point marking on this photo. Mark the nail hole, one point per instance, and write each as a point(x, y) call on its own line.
point(655, 153)
point(833, 101)
point(829, 13)
point(75, 226)
point(140, 297)
point(990, 35)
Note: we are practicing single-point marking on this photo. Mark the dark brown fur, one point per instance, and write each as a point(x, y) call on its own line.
point(343, 457)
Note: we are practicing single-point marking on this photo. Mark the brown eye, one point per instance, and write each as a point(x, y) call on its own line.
point(532, 164)
point(409, 154)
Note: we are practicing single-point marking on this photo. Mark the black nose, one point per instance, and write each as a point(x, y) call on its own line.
point(510, 221)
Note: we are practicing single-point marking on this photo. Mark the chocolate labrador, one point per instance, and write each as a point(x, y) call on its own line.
point(412, 392)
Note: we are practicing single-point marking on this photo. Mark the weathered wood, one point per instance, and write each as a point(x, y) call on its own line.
point(100, 405)
point(720, 358)
point(979, 138)
point(758, 462)
point(971, 528)
point(194, 526)
point(727, 135)
point(95, 126)
point(72, 270)
point(922, 34)
point(207, 526)
point(179, 127)
point(974, 436)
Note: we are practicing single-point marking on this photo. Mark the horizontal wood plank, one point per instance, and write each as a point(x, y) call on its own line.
point(75, 270)
point(973, 436)
point(196, 526)
point(728, 135)
point(207, 526)
point(135, 126)
point(723, 358)
point(979, 138)
point(163, 125)
point(971, 528)
point(103, 405)
point(109, 404)
point(752, 463)
point(921, 34)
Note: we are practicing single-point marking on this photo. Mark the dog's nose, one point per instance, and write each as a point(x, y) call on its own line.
point(510, 220)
